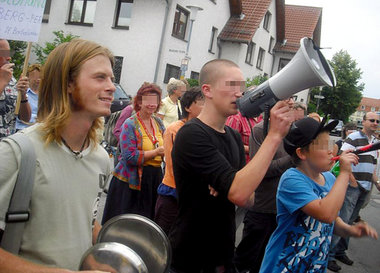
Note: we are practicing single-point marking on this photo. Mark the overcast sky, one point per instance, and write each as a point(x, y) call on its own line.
point(354, 26)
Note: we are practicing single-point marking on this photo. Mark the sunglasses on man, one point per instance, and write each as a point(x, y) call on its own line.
point(373, 120)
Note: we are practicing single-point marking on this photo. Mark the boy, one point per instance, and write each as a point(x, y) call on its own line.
point(308, 202)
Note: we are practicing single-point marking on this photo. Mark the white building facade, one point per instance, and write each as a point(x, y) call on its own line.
point(150, 38)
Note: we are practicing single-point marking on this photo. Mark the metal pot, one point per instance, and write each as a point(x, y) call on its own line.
point(112, 257)
point(142, 235)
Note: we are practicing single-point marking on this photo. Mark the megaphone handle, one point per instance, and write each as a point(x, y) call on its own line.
point(266, 119)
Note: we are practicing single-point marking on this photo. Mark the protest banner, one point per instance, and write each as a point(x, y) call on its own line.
point(21, 20)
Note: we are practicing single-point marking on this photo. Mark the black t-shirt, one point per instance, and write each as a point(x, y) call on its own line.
point(204, 233)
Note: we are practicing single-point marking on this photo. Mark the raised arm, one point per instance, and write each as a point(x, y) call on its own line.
point(247, 179)
point(326, 209)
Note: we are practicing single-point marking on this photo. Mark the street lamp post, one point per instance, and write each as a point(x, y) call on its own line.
point(185, 61)
point(319, 97)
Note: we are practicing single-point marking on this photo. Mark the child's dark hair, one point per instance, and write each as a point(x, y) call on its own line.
point(190, 96)
point(295, 159)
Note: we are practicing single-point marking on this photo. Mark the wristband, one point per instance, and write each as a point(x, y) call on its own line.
point(24, 101)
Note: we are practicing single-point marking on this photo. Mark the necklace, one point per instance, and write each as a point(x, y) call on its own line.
point(152, 137)
point(77, 154)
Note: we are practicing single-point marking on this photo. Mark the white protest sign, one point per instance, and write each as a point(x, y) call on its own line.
point(21, 19)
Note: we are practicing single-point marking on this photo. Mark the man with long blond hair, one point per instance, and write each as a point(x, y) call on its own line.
point(75, 92)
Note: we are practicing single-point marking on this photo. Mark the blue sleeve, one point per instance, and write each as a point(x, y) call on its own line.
point(295, 191)
point(129, 144)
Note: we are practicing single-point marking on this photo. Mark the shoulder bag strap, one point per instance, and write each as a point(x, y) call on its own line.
point(18, 211)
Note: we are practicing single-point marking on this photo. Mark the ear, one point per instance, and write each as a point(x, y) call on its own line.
point(206, 90)
point(70, 87)
point(300, 154)
point(188, 109)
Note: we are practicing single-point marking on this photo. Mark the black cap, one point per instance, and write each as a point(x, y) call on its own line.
point(304, 131)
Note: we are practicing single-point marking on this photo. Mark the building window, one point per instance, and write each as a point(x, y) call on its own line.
point(82, 12)
point(250, 52)
point(172, 71)
point(271, 45)
point(123, 14)
point(213, 40)
point(180, 22)
point(282, 63)
point(267, 18)
point(194, 75)
point(260, 59)
point(363, 107)
point(373, 109)
point(45, 17)
point(117, 68)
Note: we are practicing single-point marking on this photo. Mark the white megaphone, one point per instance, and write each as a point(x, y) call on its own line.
point(307, 69)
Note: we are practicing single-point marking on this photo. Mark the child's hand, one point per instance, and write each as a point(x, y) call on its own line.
point(362, 229)
point(346, 159)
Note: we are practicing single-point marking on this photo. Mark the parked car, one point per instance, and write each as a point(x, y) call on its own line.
point(337, 131)
point(120, 99)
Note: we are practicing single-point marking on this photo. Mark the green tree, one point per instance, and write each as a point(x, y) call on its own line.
point(256, 81)
point(18, 49)
point(340, 102)
point(43, 52)
point(192, 82)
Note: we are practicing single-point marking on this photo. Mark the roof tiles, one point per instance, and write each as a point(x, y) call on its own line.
point(300, 21)
point(242, 30)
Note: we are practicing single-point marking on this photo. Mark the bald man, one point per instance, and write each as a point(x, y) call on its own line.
point(209, 155)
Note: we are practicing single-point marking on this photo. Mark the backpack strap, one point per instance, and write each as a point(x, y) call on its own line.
point(18, 211)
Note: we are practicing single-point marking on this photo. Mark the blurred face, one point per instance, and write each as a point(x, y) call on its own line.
point(195, 108)
point(149, 103)
point(34, 80)
point(226, 90)
point(92, 93)
point(180, 90)
point(320, 153)
point(371, 123)
point(5, 56)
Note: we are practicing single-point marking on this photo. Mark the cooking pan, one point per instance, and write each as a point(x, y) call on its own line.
point(112, 257)
point(143, 236)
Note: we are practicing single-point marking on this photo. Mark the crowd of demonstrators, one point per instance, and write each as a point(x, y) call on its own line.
point(208, 153)
point(362, 179)
point(309, 198)
point(75, 92)
point(216, 159)
point(260, 219)
point(9, 92)
point(133, 188)
point(33, 75)
point(170, 110)
point(167, 206)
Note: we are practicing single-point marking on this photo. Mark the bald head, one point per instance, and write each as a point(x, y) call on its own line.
point(213, 70)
